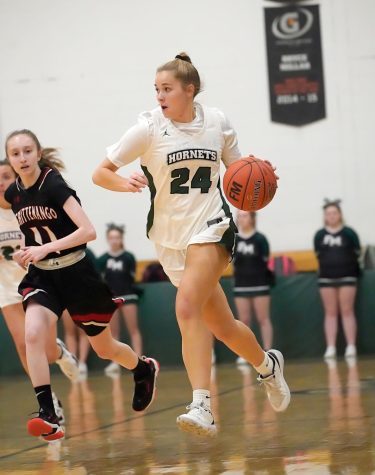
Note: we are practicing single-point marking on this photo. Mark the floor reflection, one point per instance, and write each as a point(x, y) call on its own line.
point(329, 428)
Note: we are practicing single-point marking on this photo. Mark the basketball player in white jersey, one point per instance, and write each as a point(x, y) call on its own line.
point(181, 144)
point(11, 274)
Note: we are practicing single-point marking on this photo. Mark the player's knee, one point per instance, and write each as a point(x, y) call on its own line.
point(347, 313)
point(32, 336)
point(331, 316)
point(185, 310)
point(263, 321)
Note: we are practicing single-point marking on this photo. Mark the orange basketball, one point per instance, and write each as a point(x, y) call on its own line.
point(249, 183)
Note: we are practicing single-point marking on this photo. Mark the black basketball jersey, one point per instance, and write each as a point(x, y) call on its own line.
point(118, 271)
point(337, 252)
point(250, 259)
point(39, 210)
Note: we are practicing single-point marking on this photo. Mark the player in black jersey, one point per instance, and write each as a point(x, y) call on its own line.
point(118, 269)
point(338, 248)
point(60, 276)
point(252, 278)
point(11, 274)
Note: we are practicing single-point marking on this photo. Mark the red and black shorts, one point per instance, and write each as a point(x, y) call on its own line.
point(77, 288)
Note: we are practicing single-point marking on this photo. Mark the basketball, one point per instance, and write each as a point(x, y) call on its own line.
point(250, 184)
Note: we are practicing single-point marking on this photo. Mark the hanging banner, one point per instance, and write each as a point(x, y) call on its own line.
point(295, 68)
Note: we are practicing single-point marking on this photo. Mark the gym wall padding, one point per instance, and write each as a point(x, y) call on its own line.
point(296, 313)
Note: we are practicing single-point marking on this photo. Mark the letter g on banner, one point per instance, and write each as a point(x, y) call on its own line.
point(292, 24)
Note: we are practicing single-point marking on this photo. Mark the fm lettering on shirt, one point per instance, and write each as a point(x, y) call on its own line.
point(246, 249)
point(331, 241)
point(115, 265)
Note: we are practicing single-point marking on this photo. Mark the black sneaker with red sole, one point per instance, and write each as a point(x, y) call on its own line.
point(45, 425)
point(145, 388)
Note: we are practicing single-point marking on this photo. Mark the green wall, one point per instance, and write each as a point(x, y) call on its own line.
point(296, 312)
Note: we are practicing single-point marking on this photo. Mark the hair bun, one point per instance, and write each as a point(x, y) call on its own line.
point(115, 227)
point(328, 202)
point(184, 57)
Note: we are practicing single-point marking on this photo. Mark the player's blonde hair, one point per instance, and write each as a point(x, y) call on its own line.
point(49, 156)
point(183, 70)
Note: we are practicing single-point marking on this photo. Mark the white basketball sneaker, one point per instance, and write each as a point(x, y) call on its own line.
point(350, 351)
point(82, 369)
point(330, 352)
point(68, 362)
point(198, 420)
point(278, 392)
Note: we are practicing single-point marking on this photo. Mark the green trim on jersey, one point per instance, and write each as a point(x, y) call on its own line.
point(151, 213)
point(317, 238)
point(232, 226)
point(226, 208)
point(353, 236)
point(228, 239)
point(264, 245)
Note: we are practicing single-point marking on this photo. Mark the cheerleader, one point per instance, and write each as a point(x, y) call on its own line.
point(252, 278)
point(118, 267)
point(338, 249)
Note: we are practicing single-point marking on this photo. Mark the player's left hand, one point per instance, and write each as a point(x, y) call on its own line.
point(33, 254)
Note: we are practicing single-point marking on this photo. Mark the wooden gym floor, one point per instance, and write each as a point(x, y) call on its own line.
point(329, 427)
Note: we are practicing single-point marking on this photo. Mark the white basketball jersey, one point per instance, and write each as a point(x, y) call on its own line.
point(183, 170)
point(10, 240)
